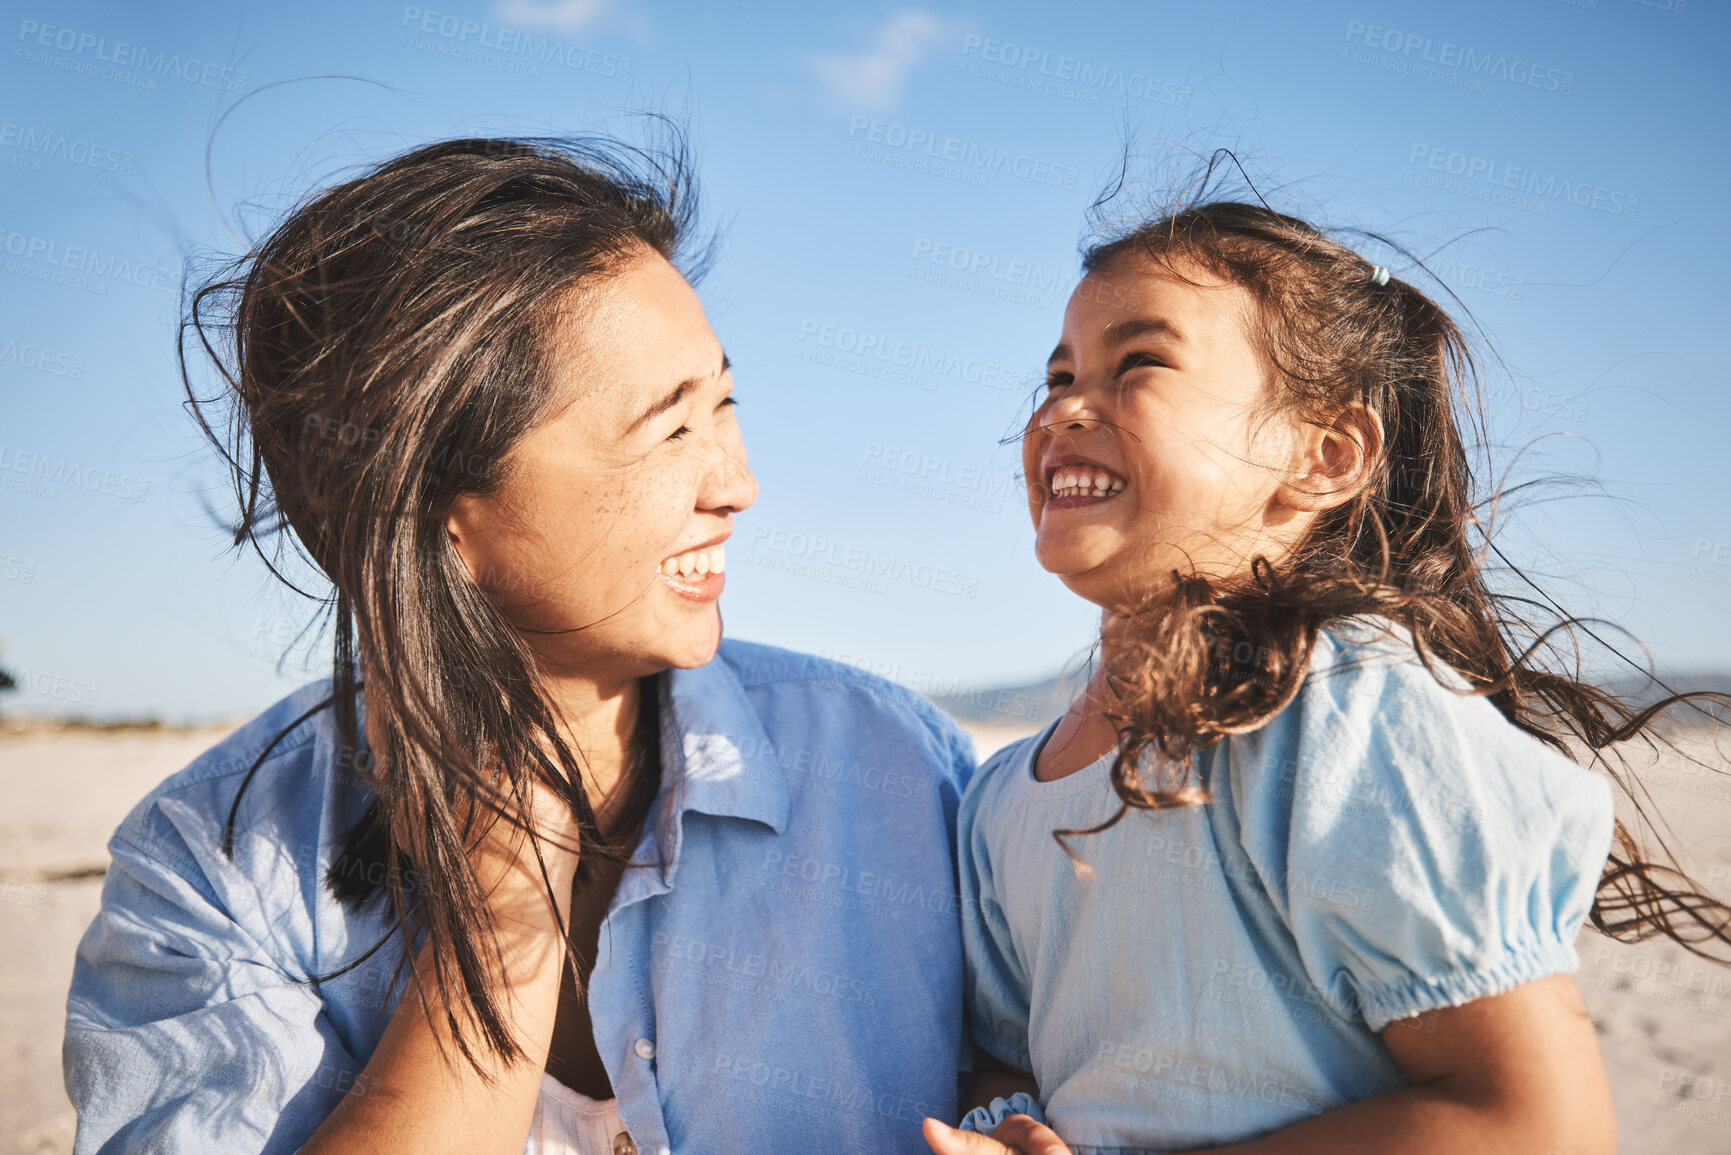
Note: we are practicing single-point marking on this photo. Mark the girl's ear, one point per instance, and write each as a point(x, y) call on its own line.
point(1335, 459)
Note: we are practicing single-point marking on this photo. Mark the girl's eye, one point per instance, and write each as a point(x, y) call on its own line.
point(1058, 381)
point(1139, 361)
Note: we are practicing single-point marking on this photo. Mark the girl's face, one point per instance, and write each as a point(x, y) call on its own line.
point(1150, 450)
point(605, 544)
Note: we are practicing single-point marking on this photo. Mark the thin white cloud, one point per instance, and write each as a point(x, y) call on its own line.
point(873, 77)
point(558, 15)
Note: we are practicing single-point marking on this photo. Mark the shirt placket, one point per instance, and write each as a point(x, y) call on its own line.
point(621, 1010)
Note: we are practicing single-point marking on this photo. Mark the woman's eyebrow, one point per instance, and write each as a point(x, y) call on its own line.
point(677, 395)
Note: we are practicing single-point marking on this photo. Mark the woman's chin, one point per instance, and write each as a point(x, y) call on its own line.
point(694, 643)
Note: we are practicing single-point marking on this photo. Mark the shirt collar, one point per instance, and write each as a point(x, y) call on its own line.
point(716, 757)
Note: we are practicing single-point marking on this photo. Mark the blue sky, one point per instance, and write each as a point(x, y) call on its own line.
point(904, 189)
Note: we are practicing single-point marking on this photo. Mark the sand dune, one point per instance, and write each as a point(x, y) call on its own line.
point(1664, 1019)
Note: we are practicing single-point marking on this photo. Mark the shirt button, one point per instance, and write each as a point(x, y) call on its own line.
point(644, 1048)
point(622, 1144)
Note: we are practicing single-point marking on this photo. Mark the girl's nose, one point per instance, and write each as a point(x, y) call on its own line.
point(1070, 415)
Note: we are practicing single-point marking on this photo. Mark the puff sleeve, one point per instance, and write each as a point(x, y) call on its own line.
point(1423, 851)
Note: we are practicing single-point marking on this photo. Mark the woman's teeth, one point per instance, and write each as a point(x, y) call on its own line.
point(698, 563)
point(1084, 481)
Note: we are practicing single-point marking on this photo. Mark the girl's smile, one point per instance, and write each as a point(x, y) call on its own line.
point(1075, 483)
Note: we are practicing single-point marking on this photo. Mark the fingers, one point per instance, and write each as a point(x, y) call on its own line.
point(1017, 1135)
point(946, 1140)
point(1023, 1134)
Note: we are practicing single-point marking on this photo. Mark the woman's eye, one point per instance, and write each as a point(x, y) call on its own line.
point(678, 433)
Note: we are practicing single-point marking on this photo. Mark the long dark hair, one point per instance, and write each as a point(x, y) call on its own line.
point(380, 353)
point(1208, 659)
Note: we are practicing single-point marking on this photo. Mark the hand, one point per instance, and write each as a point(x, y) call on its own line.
point(1017, 1135)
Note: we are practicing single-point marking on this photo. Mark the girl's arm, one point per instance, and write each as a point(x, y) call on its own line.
point(1517, 1072)
point(995, 1079)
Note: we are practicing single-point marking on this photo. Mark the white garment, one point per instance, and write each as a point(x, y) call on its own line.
point(568, 1122)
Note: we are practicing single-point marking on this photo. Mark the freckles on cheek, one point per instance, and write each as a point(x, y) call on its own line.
point(640, 516)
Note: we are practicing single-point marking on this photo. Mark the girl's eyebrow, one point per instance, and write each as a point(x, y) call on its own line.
point(1118, 332)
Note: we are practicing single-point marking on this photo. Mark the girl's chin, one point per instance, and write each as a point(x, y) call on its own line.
point(1064, 554)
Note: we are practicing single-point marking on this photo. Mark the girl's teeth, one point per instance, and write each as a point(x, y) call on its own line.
point(1072, 482)
point(696, 564)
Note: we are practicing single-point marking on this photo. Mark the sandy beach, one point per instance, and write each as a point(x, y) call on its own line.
point(1664, 1018)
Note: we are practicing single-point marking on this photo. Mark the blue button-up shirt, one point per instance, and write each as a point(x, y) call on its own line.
point(783, 973)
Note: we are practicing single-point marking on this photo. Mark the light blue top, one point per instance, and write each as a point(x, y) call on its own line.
point(788, 979)
point(1382, 847)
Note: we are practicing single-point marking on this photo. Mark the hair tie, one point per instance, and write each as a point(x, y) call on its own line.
point(1379, 275)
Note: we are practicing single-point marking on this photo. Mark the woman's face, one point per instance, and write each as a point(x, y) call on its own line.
point(605, 544)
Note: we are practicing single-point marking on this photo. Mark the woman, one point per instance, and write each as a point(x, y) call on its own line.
point(546, 861)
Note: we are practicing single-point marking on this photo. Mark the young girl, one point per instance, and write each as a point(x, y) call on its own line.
point(1304, 868)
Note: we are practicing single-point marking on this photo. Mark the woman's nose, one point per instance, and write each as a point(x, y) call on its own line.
point(731, 485)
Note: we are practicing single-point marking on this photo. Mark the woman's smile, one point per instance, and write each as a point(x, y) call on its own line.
point(698, 574)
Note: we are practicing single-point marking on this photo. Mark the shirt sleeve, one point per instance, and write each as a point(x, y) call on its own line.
point(1423, 851)
point(997, 983)
point(986, 1120)
point(184, 1032)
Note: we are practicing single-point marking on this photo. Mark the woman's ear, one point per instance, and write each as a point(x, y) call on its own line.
point(461, 526)
point(1335, 459)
